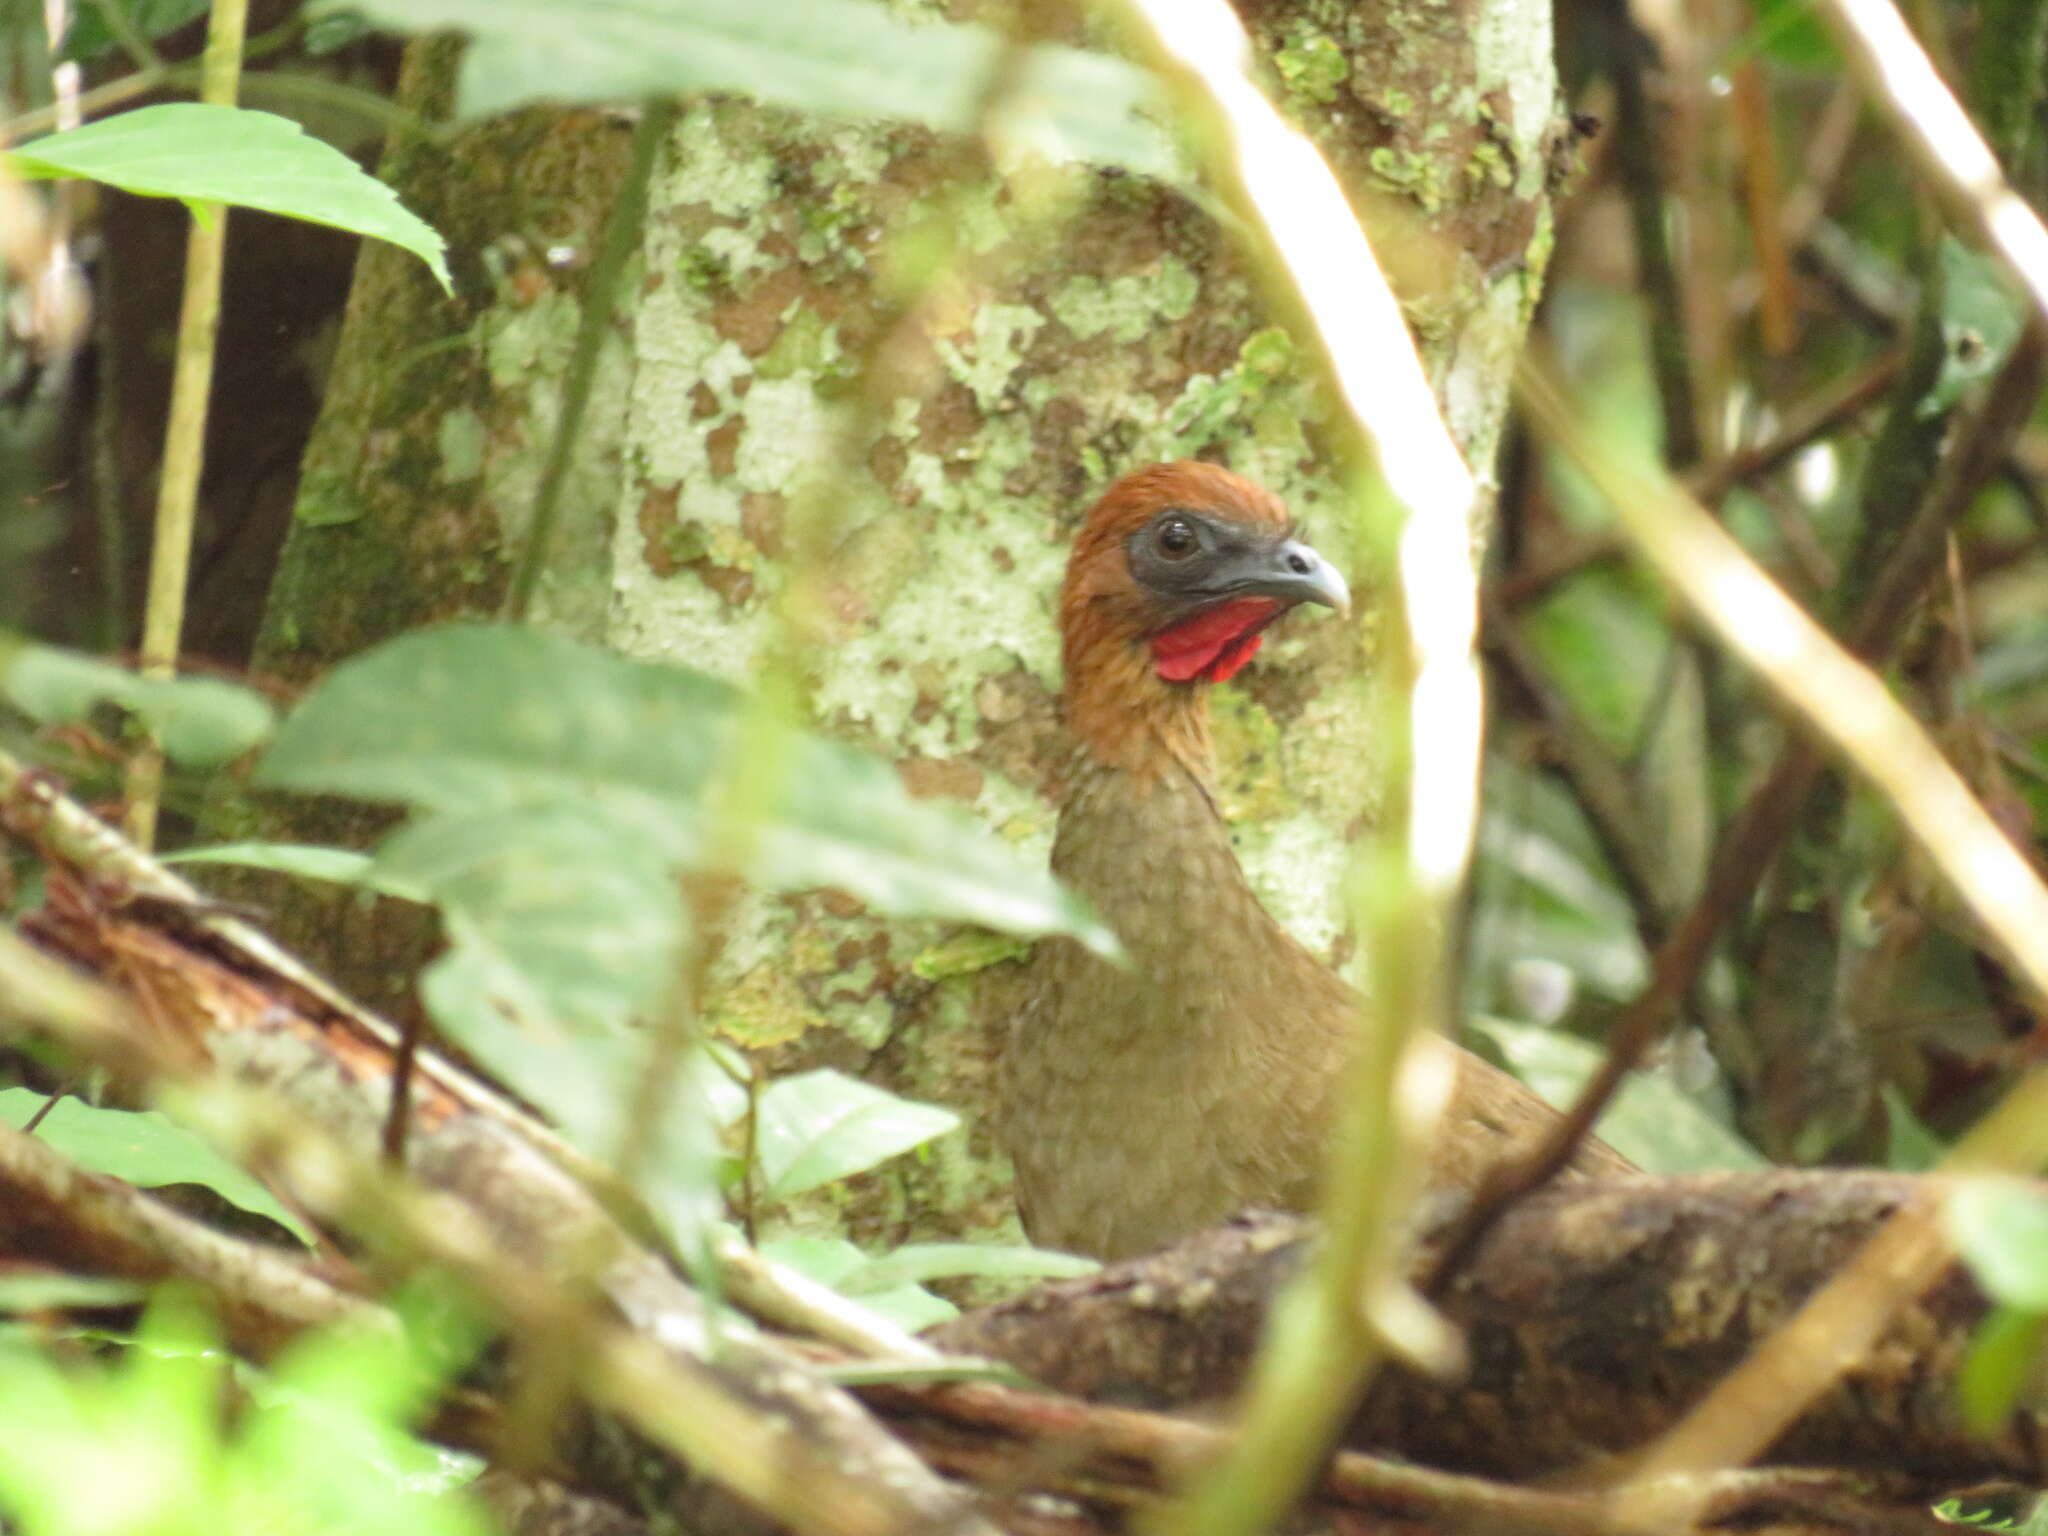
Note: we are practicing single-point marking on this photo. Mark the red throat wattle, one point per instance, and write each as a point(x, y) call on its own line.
point(1215, 643)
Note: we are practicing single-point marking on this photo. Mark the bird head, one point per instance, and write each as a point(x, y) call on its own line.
point(1174, 576)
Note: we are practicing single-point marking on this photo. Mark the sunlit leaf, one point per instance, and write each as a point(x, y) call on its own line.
point(216, 154)
point(2000, 1227)
point(476, 718)
point(142, 1147)
point(914, 1263)
point(830, 1260)
point(576, 919)
point(819, 1126)
point(199, 720)
point(316, 1449)
point(1650, 1121)
point(852, 58)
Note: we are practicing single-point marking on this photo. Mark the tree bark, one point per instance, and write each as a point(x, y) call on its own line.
point(1594, 1315)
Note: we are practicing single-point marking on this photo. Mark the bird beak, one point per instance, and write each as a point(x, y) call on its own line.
point(1293, 573)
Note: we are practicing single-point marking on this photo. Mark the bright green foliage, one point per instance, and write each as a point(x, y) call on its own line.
point(2000, 1226)
point(143, 1448)
point(473, 719)
point(892, 1285)
point(819, 1126)
point(142, 1147)
point(200, 720)
point(841, 57)
point(214, 154)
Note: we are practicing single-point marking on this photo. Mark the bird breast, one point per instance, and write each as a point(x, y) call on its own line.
point(1141, 1104)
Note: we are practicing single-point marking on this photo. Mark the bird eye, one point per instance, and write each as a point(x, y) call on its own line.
point(1175, 538)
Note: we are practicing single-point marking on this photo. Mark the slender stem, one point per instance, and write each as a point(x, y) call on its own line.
point(170, 561)
point(27, 125)
point(621, 239)
point(132, 39)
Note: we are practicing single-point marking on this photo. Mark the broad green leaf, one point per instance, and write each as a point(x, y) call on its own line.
point(851, 58)
point(477, 718)
point(213, 154)
point(914, 1263)
point(2000, 1226)
point(1649, 1121)
point(574, 919)
point(143, 1148)
point(200, 720)
point(819, 1126)
point(910, 1307)
point(563, 931)
point(827, 1260)
point(830, 1260)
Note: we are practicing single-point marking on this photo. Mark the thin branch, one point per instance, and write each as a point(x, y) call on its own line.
point(600, 300)
point(170, 561)
point(1937, 132)
point(1824, 415)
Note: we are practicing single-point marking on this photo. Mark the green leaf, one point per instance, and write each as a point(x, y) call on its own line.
point(819, 1126)
point(1910, 1147)
point(852, 58)
point(2000, 1363)
point(307, 861)
point(914, 1263)
point(1980, 322)
point(317, 1448)
point(213, 154)
point(89, 36)
point(200, 720)
point(475, 718)
point(564, 929)
point(1791, 32)
point(572, 918)
point(2000, 1226)
point(829, 1260)
point(910, 1307)
point(965, 953)
point(1649, 1121)
point(143, 1148)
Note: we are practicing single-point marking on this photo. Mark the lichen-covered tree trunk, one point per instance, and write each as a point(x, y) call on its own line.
point(1064, 349)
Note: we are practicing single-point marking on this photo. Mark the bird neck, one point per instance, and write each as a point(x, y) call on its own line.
point(1125, 716)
